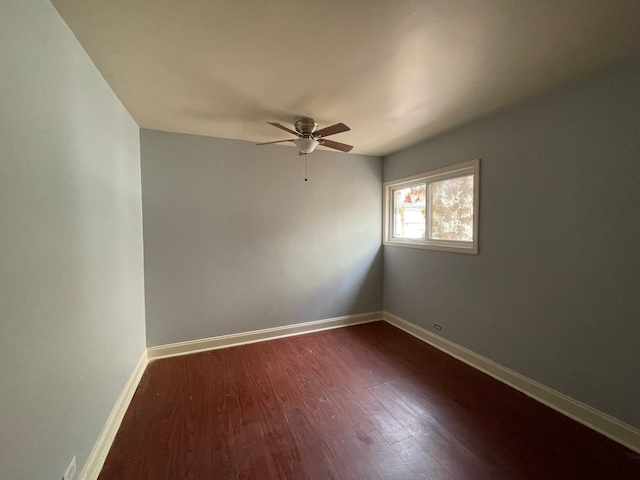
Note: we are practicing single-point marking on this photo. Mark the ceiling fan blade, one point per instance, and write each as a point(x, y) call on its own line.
point(275, 141)
point(332, 130)
point(282, 127)
point(343, 147)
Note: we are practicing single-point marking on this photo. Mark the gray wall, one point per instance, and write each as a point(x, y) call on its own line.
point(71, 274)
point(236, 240)
point(555, 291)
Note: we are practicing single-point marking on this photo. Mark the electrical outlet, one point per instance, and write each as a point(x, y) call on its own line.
point(71, 470)
point(437, 327)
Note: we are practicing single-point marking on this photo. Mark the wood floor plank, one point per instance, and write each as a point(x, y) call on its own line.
point(421, 463)
point(364, 402)
point(316, 456)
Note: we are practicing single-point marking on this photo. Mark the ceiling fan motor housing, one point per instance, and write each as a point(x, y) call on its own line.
point(306, 126)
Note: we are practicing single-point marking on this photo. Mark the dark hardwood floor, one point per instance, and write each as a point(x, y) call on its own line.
point(363, 402)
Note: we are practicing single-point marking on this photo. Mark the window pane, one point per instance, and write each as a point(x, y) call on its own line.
point(409, 212)
point(452, 209)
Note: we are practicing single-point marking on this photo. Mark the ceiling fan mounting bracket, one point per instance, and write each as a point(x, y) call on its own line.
point(306, 126)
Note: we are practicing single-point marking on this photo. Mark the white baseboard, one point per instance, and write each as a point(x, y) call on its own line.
point(589, 416)
point(224, 341)
point(100, 450)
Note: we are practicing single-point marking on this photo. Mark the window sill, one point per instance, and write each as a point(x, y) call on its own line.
point(468, 249)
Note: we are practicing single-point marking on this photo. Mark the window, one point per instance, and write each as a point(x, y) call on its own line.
point(435, 210)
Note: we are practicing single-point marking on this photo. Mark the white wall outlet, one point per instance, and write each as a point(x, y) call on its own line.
point(71, 470)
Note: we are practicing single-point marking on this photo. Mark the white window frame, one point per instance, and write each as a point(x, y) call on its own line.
point(460, 170)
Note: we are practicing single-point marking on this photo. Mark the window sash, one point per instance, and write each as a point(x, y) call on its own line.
point(393, 207)
point(429, 213)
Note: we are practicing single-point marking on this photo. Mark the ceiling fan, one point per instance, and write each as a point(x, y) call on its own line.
point(309, 137)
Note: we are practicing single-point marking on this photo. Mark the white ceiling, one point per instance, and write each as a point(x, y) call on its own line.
point(396, 72)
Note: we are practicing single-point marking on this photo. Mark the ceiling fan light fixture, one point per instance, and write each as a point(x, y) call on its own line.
point(306, 145)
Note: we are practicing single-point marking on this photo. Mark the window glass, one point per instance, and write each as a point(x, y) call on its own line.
point(451, 203)
point(409, 212)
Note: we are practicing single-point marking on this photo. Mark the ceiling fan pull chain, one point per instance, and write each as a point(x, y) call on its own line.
point(305, 169)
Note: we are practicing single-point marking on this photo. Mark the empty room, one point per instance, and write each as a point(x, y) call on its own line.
point(295, 239)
